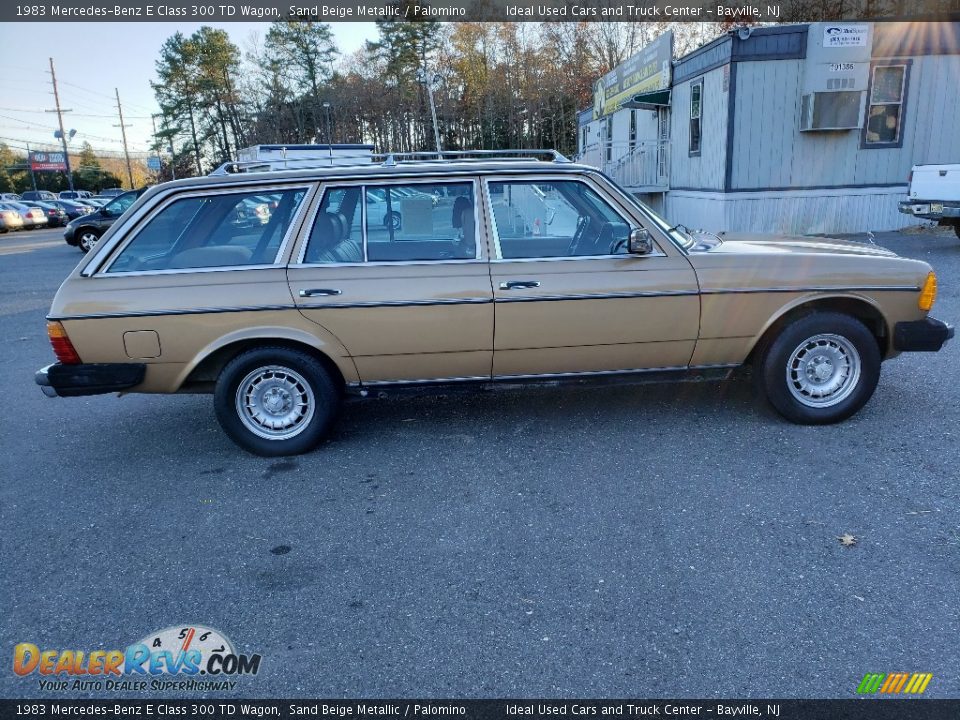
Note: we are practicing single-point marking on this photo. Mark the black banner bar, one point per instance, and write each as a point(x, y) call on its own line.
point(872, 708)
point(476, 10)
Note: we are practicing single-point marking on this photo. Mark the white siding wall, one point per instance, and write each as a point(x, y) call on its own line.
point(707, 170)
point(799, 212)
point(771, 152)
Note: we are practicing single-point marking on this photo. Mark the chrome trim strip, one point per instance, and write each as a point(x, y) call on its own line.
point(396, 303)
point(568, 258)
point(544, 376)
point(267, 308)
point(596, 296)
point(181, 271)
point(815, 288)
point(156, 313)
point(632, 371)
point(384, 263)
point(437, 381)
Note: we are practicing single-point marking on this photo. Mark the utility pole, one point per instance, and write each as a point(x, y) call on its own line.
point(428, 80)
point(63, 135)
point(33, 178)
point(123, 131)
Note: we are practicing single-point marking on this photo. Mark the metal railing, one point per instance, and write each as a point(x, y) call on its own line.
point(643, 165)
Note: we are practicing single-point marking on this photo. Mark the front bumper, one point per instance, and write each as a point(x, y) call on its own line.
point(70, 234)
point(59, 380)
point(927, 335)
point(930, 210)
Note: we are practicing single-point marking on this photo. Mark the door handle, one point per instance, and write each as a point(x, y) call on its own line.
point(313, 292)
point(519, 284)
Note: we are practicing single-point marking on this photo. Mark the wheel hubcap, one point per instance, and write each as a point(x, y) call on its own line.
point(823, 370)
point(275, 402)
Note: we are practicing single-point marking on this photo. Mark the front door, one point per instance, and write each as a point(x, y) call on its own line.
point(568, 297)
point(395, 270)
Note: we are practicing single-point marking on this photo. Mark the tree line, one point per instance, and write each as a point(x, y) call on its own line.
point(495, 85)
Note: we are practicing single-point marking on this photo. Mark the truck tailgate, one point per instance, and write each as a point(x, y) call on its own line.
point(935, 182)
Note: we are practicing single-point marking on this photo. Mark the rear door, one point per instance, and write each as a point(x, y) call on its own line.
point(396, 271)
point(568, 297)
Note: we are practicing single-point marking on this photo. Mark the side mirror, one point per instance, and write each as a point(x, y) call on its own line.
point(641, 243)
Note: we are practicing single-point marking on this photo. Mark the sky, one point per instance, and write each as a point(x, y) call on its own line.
point(91, 60)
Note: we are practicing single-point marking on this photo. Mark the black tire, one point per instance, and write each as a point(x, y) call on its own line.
point(293, 374)
point(83, 236)
point(836, 343)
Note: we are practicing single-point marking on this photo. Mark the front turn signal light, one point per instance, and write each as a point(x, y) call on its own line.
point(929, 293)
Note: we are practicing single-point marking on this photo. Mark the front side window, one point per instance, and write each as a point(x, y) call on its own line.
point(395, 223)
point(219, 230)
point(696, 111)
point(559, 218)
point(119, 205)
point(885, 113)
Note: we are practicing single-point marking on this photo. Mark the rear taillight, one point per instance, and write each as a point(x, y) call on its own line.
point(62, 347)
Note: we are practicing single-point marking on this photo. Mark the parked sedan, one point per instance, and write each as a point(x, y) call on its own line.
point(75, 209)
point(12, 220)
point(32, 217)
point(56, 217)
point(84, 232)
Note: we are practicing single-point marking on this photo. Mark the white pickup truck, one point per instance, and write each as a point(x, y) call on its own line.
point(934, 194)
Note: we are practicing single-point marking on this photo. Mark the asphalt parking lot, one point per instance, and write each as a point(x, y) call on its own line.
point(660, 540)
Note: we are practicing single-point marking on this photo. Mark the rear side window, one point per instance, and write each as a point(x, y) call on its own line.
point(395, 223)
point(222, 230)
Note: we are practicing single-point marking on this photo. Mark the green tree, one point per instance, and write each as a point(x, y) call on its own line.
point(300, 54)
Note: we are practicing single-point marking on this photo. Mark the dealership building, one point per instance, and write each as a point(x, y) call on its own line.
point(808, 128)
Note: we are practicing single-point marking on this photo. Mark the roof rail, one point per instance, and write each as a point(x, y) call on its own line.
point(389, 159)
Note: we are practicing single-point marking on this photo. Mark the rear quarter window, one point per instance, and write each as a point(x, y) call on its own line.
point(216, 230)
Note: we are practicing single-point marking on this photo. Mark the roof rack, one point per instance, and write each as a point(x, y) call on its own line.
point(388, 160)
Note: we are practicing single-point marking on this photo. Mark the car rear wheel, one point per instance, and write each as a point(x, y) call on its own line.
point(276, 401)
point(86, 239)
point(392, 220)
point(821, 368)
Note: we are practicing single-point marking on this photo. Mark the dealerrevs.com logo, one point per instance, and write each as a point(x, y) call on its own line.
point(178, 658)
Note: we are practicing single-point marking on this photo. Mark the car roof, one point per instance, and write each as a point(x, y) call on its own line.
point(382, 171)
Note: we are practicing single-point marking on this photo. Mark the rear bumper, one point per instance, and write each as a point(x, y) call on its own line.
point(930, 210)
point(60, 380)
point(927, 335)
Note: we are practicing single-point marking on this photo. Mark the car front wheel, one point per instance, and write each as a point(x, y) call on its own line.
point(276, 401)
point(86, 239)
point(821, 368)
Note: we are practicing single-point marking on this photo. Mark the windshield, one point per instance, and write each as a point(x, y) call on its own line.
point(120, 203)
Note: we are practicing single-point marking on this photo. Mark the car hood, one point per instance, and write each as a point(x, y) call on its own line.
point(749, 244)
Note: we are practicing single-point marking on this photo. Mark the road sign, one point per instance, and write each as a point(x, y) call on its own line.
point(153, 163)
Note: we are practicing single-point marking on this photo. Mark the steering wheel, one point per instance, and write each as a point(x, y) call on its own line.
point(582, 222)
point(617, 244)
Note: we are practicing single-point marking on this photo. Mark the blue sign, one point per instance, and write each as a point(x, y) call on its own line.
point(153, 163)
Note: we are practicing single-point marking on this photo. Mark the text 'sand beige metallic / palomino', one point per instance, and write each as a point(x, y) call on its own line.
point(282, 291)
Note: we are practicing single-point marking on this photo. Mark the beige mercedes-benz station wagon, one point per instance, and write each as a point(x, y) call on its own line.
point(283, 291)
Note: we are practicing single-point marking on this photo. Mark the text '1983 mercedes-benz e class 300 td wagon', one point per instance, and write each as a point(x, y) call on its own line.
point(281, 291)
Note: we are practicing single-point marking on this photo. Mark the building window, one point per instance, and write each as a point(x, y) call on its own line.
point(608, 137)
point(696, 111)
point(885, 110)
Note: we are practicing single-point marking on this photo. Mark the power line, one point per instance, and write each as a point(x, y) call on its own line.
point(26, 110)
